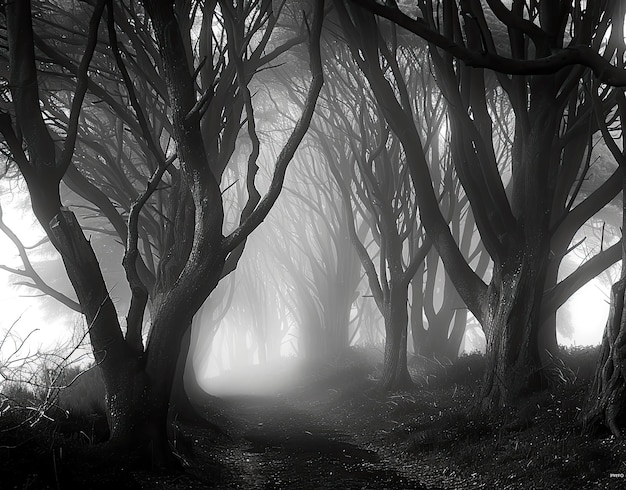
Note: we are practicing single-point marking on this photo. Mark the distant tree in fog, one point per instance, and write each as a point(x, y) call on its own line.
point(323, 266)
point(371, 171)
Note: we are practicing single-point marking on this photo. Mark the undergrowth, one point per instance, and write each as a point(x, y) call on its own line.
point(537, 443)
point(430, 429)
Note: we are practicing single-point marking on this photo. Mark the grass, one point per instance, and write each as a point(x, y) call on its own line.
point(426, 433)
point(70, 404)
point(84, 393)
point(538, 443)
point(432, 431)
point(41, 421)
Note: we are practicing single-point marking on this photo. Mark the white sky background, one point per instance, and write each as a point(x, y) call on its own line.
point(54, 322)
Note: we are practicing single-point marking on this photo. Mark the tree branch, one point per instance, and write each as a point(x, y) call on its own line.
point(139, 291)
point(557, 296)
point(81, 89)
point(146, 131)
point(29, 270)
point(286, 155)
point(571, 55)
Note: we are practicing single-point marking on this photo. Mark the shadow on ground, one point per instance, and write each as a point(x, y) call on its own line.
point(326, 425)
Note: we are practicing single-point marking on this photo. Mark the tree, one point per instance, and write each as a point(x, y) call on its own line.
point(446, 325)
point(370, 169)
point(328, 282)
point(204, 125)
point(606, 402)
point(516, 222)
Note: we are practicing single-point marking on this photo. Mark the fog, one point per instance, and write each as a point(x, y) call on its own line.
point(254, 333)
point(253, 317)
point(286, 244)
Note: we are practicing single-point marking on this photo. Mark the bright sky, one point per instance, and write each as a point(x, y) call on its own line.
point(23, 305)
point(589, 310)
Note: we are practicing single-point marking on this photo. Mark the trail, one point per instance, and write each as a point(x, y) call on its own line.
point(282, 446)
point(292, 439)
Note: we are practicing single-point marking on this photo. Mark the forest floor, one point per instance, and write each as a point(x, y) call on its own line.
point(326, 425)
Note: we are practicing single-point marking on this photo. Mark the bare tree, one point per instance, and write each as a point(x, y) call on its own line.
point(516, 219)
point(203, 125)
point(370, 169)
point(606, 403)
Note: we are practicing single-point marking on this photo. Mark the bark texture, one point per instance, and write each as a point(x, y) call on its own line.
point(139, 380)
point(606, 404)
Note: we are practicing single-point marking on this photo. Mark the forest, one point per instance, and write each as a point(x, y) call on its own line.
point(313, 244)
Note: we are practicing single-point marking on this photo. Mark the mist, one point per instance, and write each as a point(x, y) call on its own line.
point(328, 244)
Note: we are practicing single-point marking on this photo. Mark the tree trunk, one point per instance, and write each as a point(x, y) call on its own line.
point(395, 373)
point(438, 321)
point(455, 338)
point(137, 416)
point(438, 340)
point(337, 321)
point(513, 364)
point(170, 324)
point(336, 330)
point(418, 330)
point(186, 389)
point(340, 293)
point(137, 419)
point(311, 339)
point(606, 403)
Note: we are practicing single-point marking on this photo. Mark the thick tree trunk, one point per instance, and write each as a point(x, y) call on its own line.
point(339, 296)
point(136, 419)
point(337, 320)
point(395, 373)
point(186, 389)
point(142, 397)
point(138, 385)
point(336, 331)
point(311, 341)
point(548, 344)
point(606, 403)
point(137, 414)
point(513, 364)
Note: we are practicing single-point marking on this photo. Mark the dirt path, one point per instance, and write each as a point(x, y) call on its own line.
point(330, 427)
point(280, 445)
point(321, 426)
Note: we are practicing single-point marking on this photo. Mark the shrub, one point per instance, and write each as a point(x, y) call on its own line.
point(83, 392)
point(15, 395)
